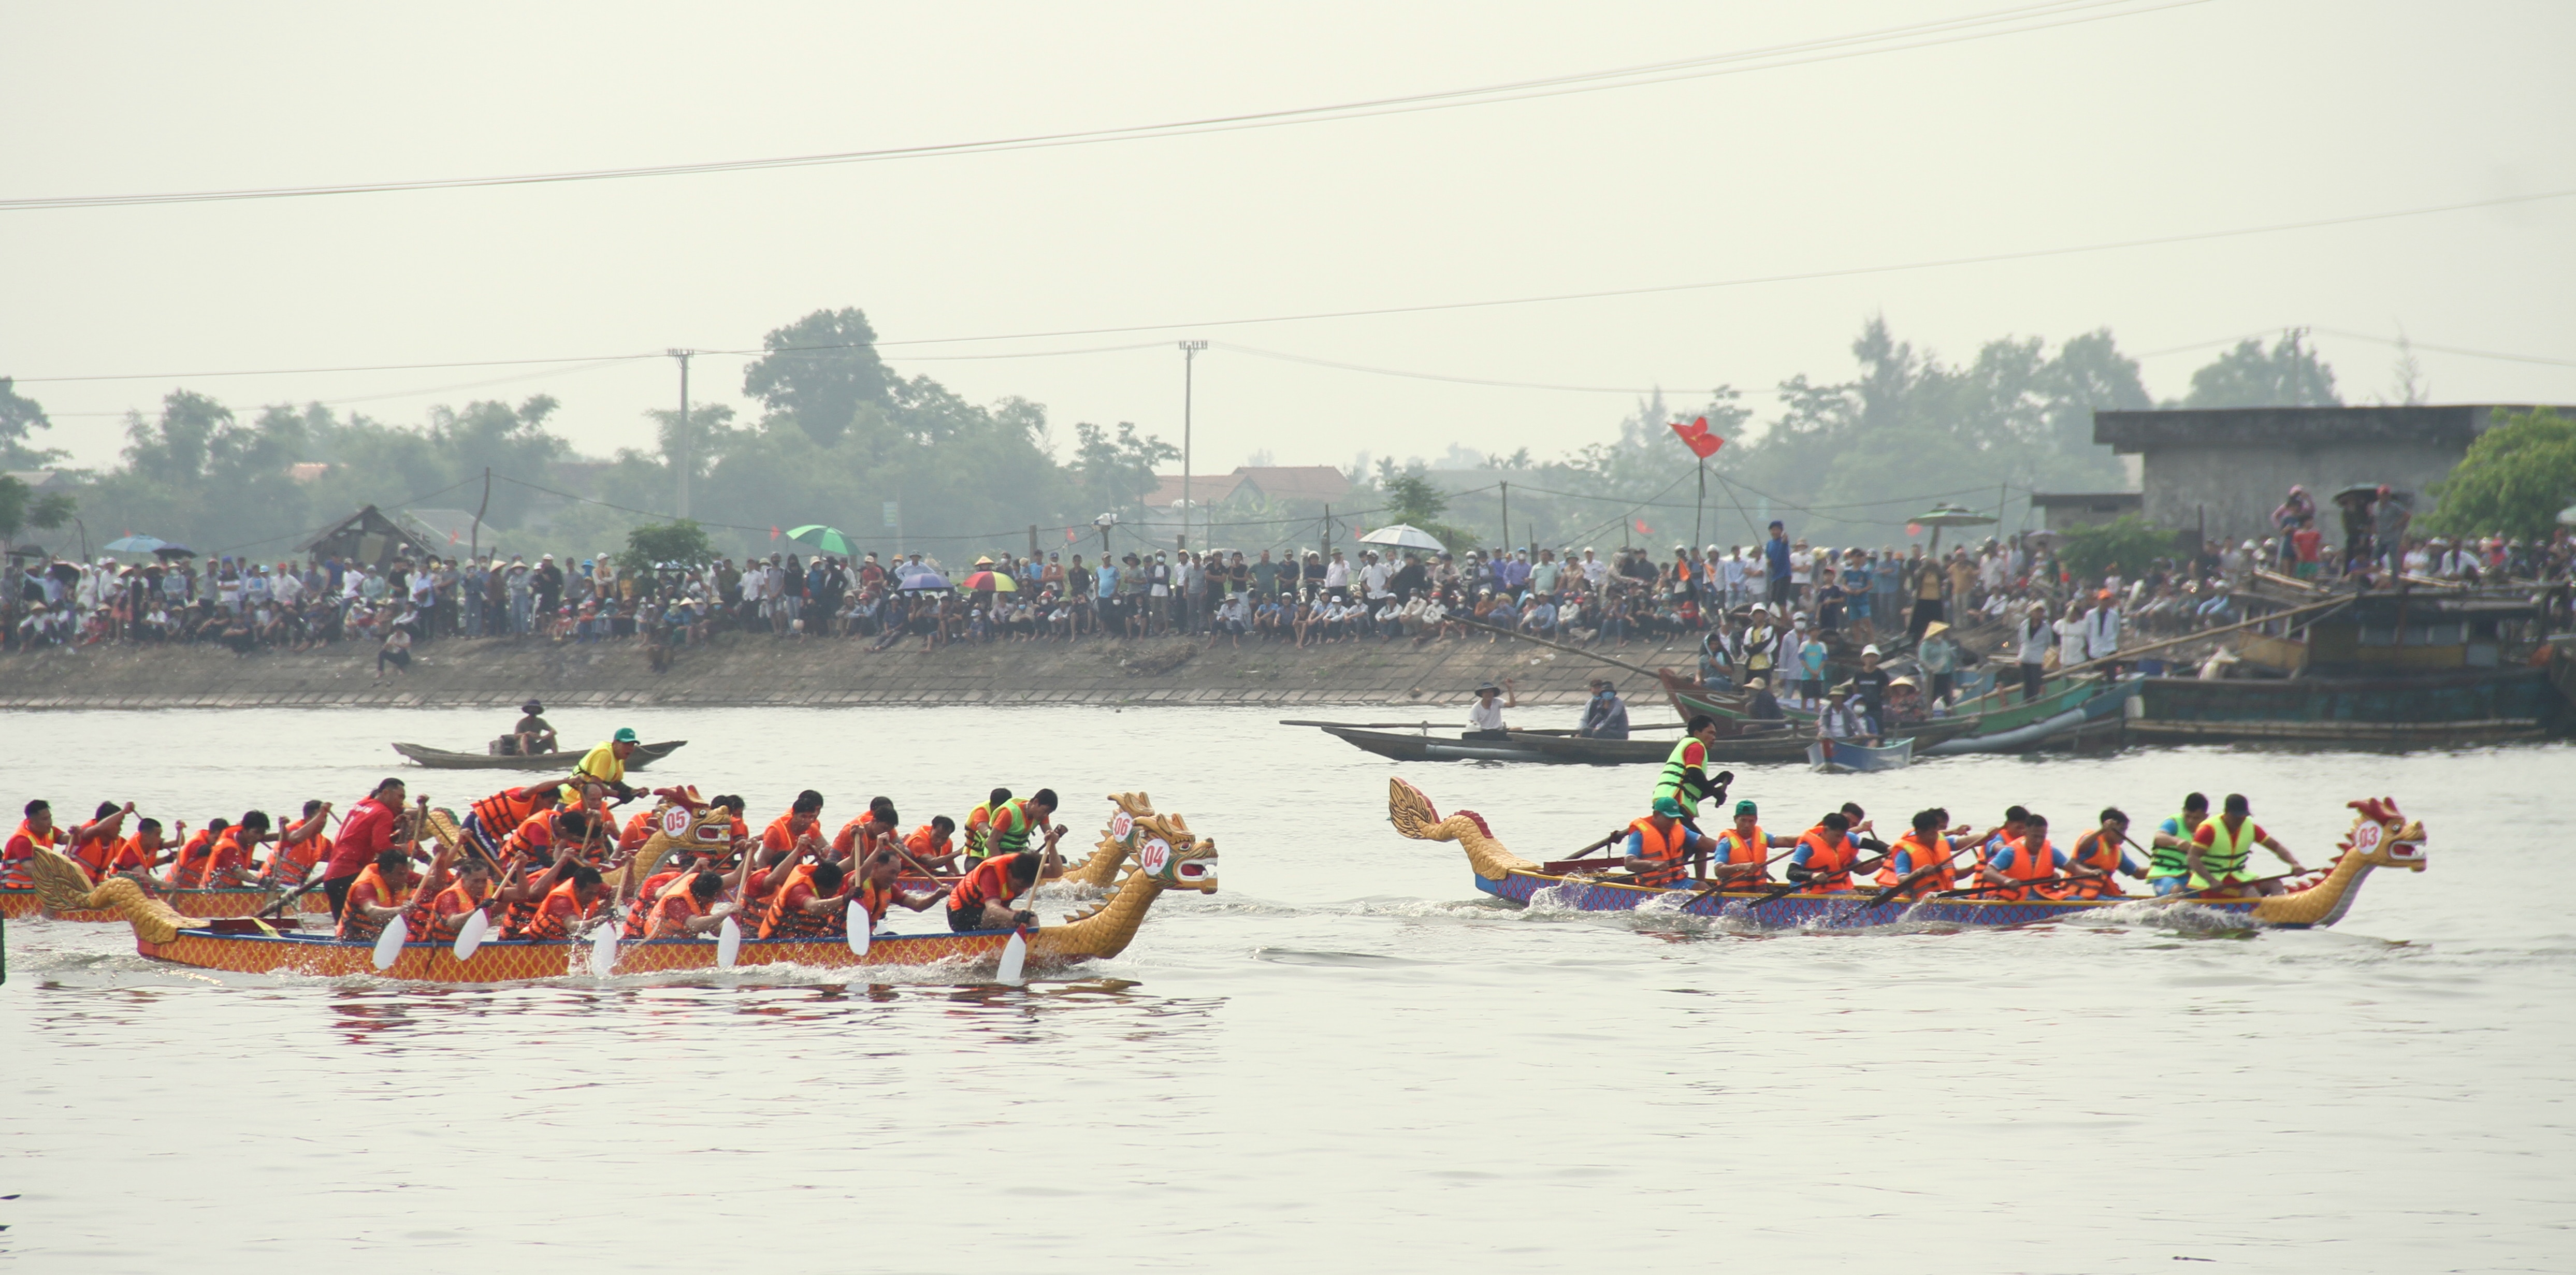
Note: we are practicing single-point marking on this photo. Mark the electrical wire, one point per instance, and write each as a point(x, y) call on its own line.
point(2028, 18)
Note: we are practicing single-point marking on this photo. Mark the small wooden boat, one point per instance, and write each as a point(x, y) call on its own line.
point(1522, 746)
point(2381, 837)
point(1158, 852)
point(441, 759)
point(1835, 756)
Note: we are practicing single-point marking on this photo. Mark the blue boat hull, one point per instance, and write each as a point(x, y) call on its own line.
point(1813, 911)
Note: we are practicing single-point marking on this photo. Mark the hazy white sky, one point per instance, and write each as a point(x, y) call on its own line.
point(2154, 121)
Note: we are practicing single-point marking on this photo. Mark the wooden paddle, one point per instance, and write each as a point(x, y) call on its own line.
point(1909, 880)
point(2197, 896)
point(1015, 954)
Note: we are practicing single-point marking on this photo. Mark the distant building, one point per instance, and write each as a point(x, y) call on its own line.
point(1281, 484)
point(2065, 511)
point(369, 537)
point(2226, 469)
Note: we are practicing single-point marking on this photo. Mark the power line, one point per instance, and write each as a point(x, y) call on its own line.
point(2028, 18)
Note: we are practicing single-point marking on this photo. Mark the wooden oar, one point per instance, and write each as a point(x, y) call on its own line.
point(2196, 896)
point(2017, 885)
point(1908, 882)
point(306, 888)
point(1015, 954)
point(1587, 850)
point(1375, 725)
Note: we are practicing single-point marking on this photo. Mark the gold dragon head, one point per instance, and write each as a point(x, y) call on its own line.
point(2383, 836)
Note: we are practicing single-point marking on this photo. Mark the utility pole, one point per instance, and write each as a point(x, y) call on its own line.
point(1189, 362)
point(688, 458)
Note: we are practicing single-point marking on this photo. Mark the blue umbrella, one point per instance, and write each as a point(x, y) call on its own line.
point(135, 544)
point(927, 580)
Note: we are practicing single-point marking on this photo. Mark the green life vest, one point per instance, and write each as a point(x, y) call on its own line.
point(2173, 861)
point(1011, 827)
point(2224, 860)
point(1675, 782)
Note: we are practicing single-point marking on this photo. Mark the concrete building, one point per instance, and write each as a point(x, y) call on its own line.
point(2228, 468)
point(2067, 510)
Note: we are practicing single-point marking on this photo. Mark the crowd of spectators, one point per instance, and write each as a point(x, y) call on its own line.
point(1779, 610)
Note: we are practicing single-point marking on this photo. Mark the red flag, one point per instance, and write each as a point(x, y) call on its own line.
point(1695, 436)
point(1914, 528)
point(773, 531)
point(1643, 529)
point(1068, 535)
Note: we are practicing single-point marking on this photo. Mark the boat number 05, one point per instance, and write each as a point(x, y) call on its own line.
point(675, 821)
point(1153, 855)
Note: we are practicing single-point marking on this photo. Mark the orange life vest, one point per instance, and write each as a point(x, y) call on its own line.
point(534, 836)
point(96, 853)
point(875, 900)
point(673, 907)
point(13, 860)
point(226, 854)
point(370, 887)
point(551, 921)
point(645, 897)
point(926, 843)
point(1738, 850)
point(779, 835)
point(1922, 854)
point(2026, 864)
point(186, 872)
point(637, 831)
point(2093, 850)
point(502, 812)
point(453, 901)
point(776, 921)
point(987, 882)
point(290, 864)
point(1828, 865)
point(1661, 848)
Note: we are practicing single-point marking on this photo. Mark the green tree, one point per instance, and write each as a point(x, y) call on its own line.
point(2513, 482)
point(652, 544)
point(21, 508)
point(2287, 375)
point(820, 371)
point(1417, 502)
point(20, 417)
point(198, 473)
point(1114, 475)
point(2129, 543)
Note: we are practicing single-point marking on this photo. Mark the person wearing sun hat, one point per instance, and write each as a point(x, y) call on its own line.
point(534, 734)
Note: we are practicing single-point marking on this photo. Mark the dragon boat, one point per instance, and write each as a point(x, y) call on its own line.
point(1157, 852)
point(2381, 837)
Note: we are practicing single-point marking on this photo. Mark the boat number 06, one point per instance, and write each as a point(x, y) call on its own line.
point(1152, 855)
point(1120, 825)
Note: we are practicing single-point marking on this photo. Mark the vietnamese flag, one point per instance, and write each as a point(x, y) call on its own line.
point(1696, 437)
point(1643, 529)
point(773, 531)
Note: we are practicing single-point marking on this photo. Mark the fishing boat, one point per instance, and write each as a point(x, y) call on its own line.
point(442, 759)
point(204, 904)
point(1158, 852)
point(1836, 756)
point(1523, 746)
point(2381, 837)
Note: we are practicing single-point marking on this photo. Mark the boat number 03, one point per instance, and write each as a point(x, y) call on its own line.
point(1120, 825)
point(2365, 836)
point(675, 821)
point(1153, 855)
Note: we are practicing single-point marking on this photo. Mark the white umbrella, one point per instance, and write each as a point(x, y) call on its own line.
point(2567, 516)
point(1403, 537)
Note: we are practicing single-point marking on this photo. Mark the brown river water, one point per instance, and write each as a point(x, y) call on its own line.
point(1347, 1056)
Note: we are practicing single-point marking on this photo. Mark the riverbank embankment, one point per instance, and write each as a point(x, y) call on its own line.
point(738, 669)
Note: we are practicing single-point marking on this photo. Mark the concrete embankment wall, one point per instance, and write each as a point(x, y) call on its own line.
point(740, 670)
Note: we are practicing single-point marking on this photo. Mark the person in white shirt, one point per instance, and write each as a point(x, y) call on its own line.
point(2102, 628)
point(1594, 569)
point(290, 589)
point(2070, 634)
point(1337, 573)
point(2030, 648)
point(1485, 716)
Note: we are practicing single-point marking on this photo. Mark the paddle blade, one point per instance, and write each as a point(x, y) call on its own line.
point(1015, 960)
point(859, 927)
point(728, 944)
point(389, 944)
point(470, 935)
point(603, 951)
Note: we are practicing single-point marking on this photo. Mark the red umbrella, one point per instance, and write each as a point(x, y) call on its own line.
point(982, 580)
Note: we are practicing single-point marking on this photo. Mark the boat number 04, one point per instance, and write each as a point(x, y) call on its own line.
point(1153, 855)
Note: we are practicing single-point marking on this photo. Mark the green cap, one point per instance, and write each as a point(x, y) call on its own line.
point(1668, 808)
point(1746, 808)
point(624, 735)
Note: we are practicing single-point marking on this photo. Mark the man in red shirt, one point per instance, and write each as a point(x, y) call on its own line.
point(373, 827)
point(37, 831)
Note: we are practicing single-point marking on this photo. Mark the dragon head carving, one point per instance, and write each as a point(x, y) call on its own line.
point(2383, 836)
point(686, 826)
point(1168, 852)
